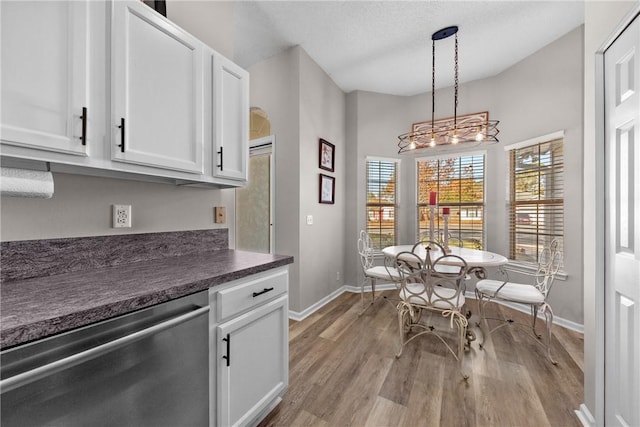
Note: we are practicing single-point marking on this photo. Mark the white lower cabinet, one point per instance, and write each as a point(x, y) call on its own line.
point(249, 339)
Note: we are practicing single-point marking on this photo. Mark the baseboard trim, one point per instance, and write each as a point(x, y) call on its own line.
point(298, 316)
point(577, 327)
point(379, 287)
point(585, 417)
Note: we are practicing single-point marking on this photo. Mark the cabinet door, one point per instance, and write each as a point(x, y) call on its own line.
point(45, 74)
point(231, 124)
point(157, 90)
point(252, 361)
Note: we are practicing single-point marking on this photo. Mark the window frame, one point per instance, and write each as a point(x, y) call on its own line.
point(519, 264)
point(395, 205)
point(482, 205)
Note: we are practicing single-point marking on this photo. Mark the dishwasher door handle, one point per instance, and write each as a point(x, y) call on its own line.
point(59, 365)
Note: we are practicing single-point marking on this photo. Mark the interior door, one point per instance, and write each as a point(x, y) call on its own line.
point(254, 203)
point(622, 229)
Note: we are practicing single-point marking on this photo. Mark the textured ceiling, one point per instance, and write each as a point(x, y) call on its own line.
point(385, 46)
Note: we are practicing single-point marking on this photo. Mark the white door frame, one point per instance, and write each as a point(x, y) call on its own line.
point(600, 135)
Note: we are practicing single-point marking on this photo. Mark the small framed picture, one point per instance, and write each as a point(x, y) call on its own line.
point(327, 155)
point(327, 189)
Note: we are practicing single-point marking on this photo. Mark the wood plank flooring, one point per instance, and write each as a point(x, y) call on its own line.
point(343, 372)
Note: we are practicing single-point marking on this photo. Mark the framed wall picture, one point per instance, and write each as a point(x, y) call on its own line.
point(327, 155)
point(327, 189)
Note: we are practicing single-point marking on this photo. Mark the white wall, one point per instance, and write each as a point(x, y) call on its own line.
point(275, 88)
point(210, 21)
point(322, 115)
point(81, 204)
point(303, 105)
point(601, 19)
point(537, 96)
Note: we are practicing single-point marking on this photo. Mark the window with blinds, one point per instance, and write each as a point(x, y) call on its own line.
point(382, 202)
point(536, 208)
point(459, 185)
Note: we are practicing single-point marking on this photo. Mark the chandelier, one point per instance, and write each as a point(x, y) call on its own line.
point(454, 132)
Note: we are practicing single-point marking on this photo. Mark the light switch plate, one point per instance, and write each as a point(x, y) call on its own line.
point(220, 214)
point(309, 219)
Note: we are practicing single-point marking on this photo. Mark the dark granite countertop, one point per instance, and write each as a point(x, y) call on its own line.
point(38, 307)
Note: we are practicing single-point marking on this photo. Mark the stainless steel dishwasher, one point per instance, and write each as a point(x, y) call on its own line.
point(147, 368)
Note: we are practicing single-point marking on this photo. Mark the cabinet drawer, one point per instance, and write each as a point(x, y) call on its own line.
point(256, 290)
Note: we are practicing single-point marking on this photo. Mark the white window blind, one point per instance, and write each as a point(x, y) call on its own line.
point(459, 184)
point(536, 208)
point(382, 202)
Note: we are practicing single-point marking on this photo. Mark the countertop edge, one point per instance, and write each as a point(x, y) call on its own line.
point(23, 334)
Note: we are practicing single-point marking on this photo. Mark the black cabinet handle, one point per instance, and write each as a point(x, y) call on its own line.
point(121, 145)
point(228, 356)
point(255, 294)
point(83, 138)
point(221, 158)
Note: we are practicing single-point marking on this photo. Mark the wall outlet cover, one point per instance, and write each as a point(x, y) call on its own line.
point(121, 216)
point(220, 214)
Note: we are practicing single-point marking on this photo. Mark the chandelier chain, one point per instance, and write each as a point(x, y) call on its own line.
point(433, 82)
point(455, 106)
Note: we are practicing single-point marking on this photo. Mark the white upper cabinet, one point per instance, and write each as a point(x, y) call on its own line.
point(115, 89)
point(231, 119)
point(45, 75)
point(157, 78)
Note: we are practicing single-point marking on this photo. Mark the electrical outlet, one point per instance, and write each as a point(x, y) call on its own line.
point(309, 219)
point(337, 276)
point(121, 216)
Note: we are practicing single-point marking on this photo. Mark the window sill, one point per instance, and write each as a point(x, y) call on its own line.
point(528, 268)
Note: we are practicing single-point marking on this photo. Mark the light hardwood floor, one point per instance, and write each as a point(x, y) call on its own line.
point(343, 371)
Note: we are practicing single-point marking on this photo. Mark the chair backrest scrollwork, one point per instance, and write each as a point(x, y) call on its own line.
point(549, 264)
point(365, 249)
point(435, 281)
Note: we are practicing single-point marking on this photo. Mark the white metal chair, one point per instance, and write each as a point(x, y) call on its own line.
point(424, 287)
point(534, 295)
point(372, 271)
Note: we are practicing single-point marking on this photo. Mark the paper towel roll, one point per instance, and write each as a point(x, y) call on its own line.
point(26, 183)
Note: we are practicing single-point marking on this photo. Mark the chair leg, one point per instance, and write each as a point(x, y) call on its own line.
point(402, 313)
point(482, 323)
point(534, 315)
point(548, 314)
point(373, 287)
point(462, 333)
